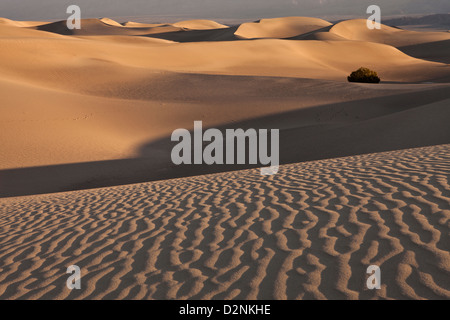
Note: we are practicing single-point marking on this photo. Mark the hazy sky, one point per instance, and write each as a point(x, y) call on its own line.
point(210, 9)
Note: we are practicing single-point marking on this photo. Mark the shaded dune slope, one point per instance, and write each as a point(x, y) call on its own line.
point(432, 51)
point(129, 140)
point(106, 26)
point(423, 45)
point(199, 35)
point(102, 27)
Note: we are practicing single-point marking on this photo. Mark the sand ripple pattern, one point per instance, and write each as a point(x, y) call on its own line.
point(309, 232)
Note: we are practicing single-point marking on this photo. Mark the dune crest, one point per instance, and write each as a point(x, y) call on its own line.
point(199, 25)
point(13, 23)
point(131, 24)
point(105, 27)
point(357, 30)
point(9, 22)
point(279, 27)
point(110, 22)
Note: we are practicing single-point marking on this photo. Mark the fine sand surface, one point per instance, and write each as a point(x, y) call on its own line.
point(309, 232)
point(96, 107)
point(280, 27)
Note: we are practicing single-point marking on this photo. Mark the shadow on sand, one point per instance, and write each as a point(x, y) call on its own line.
point(336, 130)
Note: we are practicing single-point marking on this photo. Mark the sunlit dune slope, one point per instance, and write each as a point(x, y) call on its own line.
point(103, 27)
point(357, 30)
point(112, 92)
point(73, 58)
point(199, 25)
point(279, 27)
point(8, 22)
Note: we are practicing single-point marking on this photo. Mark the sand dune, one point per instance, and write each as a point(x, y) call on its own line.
point(131, 24)
point(106, 26)
point(199, 25)
point(279, 27)
point(200, 35)
point(9, 22)
point(98, 104)
point(431, 51)
point(102, 27)
point(357, 30)
point(319, 35)
point(14, 32)
point(423, 45)
point(263, 57)
point(71, 141)
point(12, 23)
point(95, 107)
point(309, 232)
point(111, 22)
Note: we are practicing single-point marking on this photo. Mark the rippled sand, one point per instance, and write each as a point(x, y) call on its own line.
point(309, 232)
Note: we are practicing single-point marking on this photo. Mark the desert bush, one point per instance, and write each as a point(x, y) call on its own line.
point(364, 75)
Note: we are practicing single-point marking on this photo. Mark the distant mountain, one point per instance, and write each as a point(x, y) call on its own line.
point(247, 9)
point(434, 19)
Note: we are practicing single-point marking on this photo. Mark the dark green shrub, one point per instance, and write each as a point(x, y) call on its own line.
point(364, 75)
